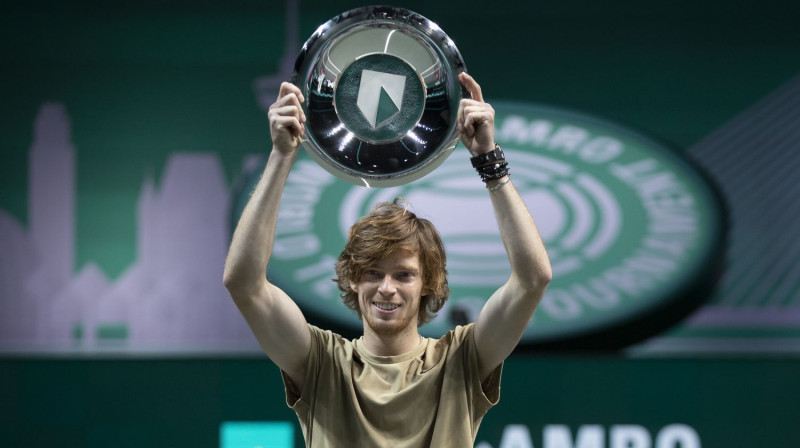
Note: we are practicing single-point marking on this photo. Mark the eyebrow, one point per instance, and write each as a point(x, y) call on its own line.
point(404, 267)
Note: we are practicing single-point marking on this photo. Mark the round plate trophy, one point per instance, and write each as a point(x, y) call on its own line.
point(382, 92)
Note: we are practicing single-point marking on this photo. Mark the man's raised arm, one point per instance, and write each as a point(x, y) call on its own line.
point(276, 321)
point(503, 319)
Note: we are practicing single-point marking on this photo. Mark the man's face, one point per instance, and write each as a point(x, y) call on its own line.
point(389, 293)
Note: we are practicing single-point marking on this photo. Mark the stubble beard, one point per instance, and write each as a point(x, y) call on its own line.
point(388, 328)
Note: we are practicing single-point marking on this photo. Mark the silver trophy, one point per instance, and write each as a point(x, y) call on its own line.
point(382, 92)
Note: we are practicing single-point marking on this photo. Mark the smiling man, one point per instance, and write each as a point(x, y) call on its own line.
point(392, 273)
point(391, 387)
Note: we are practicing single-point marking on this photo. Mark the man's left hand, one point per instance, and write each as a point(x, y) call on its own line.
point(475, 119)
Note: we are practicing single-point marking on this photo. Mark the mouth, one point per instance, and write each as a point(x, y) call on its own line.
point(385, 307)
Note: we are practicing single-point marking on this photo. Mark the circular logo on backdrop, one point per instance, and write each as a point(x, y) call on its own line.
point(633, 231)
point(379, 98)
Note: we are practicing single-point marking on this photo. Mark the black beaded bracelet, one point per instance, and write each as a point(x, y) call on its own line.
point(494, 175)
point(491, 165)
point(493, 168)
point(489, 158)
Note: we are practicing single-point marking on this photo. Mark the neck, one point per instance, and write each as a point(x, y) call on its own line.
point(391, 344)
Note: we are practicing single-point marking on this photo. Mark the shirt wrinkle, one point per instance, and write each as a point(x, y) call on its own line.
point(431, 396)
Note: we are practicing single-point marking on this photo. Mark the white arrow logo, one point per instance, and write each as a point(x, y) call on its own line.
point(380, 96)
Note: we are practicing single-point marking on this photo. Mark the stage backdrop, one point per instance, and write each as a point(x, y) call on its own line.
point(657, 145)
point(650, 143)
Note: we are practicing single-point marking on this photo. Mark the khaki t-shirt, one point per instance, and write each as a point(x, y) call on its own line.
point(429, 397)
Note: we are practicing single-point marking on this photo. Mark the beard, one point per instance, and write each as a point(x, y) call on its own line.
point(396, 326)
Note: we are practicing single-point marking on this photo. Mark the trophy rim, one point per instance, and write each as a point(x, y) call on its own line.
point(446, 52)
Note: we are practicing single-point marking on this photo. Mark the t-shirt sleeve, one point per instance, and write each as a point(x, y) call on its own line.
point(297, 398)
point(485, 394)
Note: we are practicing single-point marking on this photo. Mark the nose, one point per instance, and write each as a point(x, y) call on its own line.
point(387, 286)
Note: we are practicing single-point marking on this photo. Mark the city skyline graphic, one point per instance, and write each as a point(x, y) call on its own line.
point(172, 294)
point(171, 297)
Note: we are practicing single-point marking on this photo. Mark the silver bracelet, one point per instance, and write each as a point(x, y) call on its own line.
point(500, 185)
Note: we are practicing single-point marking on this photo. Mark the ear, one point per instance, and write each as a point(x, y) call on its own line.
point(354, 287)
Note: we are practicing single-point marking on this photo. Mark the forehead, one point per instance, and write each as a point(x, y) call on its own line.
point(401, 259)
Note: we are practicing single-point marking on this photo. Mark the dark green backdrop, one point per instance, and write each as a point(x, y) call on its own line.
point(180, 403)
point(143, 79)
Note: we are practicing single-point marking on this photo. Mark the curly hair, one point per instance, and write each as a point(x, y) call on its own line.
point(390, 227)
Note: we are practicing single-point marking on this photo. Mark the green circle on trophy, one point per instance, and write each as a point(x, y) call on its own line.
point(379, 98)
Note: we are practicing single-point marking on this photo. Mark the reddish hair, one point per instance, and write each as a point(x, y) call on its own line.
point(390, 227)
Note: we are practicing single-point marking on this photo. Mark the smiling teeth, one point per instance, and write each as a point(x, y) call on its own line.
point(386, 306)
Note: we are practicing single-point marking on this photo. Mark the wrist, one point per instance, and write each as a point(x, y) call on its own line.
point(496, 184)
point(477, 150)
point(282, 156)
point(492, 165)
point(493, 156)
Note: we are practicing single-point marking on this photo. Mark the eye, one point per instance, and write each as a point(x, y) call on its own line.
point(405, 276)
point(372, 273)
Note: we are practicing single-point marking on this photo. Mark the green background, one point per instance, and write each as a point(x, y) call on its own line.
point(141, 80)
point(181, 403)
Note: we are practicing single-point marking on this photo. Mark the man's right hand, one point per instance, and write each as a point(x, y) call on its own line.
point(287, 122)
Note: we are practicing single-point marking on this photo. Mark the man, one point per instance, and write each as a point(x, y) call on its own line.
point(391, 387)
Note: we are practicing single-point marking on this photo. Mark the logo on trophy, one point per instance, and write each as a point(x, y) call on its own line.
point(382, 93)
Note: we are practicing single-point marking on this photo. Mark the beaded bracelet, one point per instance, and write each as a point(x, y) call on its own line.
point(491, 165)
point(493, 172)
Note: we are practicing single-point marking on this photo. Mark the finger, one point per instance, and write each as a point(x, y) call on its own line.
point(290, 101)
point(290, 124)
point(469, 102)
point(470, 124)
point(287, 88)
point(477, 119)
point(460, 116)
point(483, 111)
point(290, 98)
point(478, 108)
point(472, 86)
point(287, 111)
